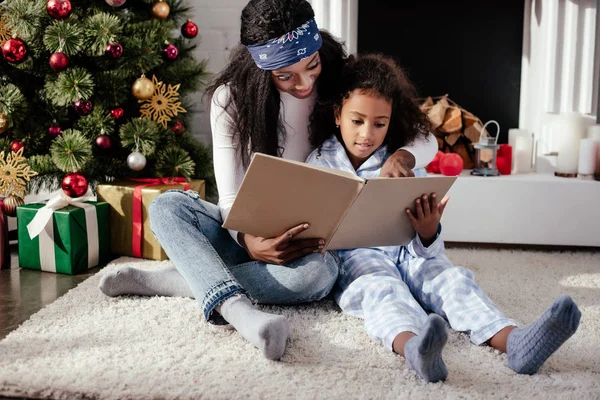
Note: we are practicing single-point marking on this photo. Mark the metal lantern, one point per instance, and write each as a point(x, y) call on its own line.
point(486, 152)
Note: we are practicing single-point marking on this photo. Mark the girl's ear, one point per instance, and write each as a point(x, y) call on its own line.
point(337, 113)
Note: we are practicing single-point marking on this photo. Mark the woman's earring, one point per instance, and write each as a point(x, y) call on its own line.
point(337, 127)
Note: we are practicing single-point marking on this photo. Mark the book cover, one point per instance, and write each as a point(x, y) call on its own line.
point(344, 209)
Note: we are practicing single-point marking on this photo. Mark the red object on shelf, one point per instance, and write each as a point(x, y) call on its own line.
point(451, 164)
point(504, 161)
point(434, 166)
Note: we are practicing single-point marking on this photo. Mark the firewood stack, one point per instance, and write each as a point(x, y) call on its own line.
point(455, 128)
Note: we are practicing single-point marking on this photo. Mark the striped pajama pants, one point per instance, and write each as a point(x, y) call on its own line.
point(393, 292)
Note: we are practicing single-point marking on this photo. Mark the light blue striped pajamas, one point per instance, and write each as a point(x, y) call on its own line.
point(392, 287)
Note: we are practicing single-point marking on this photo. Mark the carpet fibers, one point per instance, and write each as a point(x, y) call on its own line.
point(86, 345)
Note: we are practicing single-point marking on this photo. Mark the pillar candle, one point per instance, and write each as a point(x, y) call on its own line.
point(568, 129)
point(594, 134)
point(588, 155)
point(519, 153)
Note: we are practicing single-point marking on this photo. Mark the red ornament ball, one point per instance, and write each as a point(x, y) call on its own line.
point(434, 166)
point(16, 145)
point(54, 130)
point(117, 112)
point(178, 128)
point(451, 164)
point(114, 50)
point(103, 142)
point(59, 9)
point(74, 185)
point(189, 30)
point(115, 3)
point(83, 107)
point(170, 52)
point(59, 61)
point(14, 50)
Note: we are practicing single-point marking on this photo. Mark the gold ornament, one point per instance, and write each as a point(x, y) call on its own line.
point(161, 9)
point(5, 33)
point(163, 105)
point(14, 173)
point(143, 88)
point(11, 203)
point(3, 123)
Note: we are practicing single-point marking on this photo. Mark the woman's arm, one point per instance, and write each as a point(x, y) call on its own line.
point(405, 159)
point(229, 171)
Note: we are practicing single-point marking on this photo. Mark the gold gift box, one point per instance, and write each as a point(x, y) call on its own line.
point(119, 196)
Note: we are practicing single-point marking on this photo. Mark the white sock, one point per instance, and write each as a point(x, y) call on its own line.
point(268, 332)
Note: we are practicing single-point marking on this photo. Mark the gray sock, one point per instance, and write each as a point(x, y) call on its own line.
point(161, 282)
point(423, 353)
point(267, 332)
point(528, 348)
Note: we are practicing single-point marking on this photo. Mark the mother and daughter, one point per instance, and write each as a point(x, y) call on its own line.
point(290, 91)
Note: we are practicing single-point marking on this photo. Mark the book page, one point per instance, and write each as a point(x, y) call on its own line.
point(278, 194)
point(378, 217)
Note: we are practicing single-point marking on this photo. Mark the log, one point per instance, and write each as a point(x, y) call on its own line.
point(437, 113)
point(452, 138)
point(452, 120)
point(427, 104)
point(461, 150)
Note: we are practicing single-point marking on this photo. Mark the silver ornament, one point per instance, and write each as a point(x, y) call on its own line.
point(115, 3)
point(136, 161)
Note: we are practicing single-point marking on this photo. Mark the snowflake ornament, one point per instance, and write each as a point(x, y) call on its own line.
point(5, 33)
point(14, 173)
point(163, 105)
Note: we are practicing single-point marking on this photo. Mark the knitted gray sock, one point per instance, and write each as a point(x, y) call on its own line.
point(528, 348)
point(161, 282)
point(423, 353)
point(267, 332)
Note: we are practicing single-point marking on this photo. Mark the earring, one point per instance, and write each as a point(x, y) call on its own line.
point(337, 126)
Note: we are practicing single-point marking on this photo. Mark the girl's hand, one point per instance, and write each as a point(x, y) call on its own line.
point(428, 215)
point(399, 164)
point(282, 249)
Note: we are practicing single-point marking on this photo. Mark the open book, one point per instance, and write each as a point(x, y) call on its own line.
point(342, 208)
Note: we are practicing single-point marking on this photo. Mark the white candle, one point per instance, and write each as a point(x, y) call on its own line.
point(522, 154)
point(521, 142)
point(594, 134)
point(588, 155)
point(568, 129)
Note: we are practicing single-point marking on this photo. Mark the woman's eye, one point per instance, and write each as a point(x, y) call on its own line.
point(356, 121)
point(284, 77)
point(380, 125)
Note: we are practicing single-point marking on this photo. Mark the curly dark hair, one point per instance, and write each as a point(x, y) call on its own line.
point(382, 76)
point(254, 101)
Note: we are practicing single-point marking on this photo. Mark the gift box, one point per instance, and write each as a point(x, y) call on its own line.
point(71, 240)
point(130, 224)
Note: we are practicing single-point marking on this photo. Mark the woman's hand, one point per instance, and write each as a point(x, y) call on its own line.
point(399, 164)
point(428, 215)
point(282, 249)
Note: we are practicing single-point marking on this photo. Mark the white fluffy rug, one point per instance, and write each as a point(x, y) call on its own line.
point(86, 345)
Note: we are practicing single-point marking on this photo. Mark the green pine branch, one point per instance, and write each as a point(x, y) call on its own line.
point(173, 162)
point(101, 29)
point(71, 151)
point(141, 135)
point(24, 17)
point(71, 85)
point(12, 103)
point(65, 37)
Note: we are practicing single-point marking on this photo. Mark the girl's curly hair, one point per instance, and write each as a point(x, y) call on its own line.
point(379, 75)
point(254, 101)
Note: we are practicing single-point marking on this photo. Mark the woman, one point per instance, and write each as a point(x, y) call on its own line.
point(261, 102)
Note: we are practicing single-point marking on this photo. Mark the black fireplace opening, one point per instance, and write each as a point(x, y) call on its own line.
point(470, 50)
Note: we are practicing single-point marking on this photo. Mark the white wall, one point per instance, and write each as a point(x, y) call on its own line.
point(219, 30)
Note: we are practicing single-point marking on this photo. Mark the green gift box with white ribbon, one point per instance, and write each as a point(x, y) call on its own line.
point(65, 239)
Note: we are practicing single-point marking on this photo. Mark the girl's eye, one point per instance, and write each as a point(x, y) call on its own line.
point(356, 121)
point(380, 125)
point(284, 77)
point(314, 66)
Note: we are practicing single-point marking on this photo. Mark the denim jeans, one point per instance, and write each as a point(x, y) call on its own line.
point(216, 267)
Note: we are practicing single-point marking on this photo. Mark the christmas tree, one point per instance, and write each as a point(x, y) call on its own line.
point(95, 90)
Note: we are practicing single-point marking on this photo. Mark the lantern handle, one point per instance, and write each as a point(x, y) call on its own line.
point(497, 130)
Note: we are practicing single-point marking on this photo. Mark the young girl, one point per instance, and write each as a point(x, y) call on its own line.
point(261, 101)
point(391, 288)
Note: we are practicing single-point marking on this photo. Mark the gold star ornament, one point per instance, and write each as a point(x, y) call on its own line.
point(163, 105)
point(14, 173)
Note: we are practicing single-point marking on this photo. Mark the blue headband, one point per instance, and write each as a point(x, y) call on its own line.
point(290, 48)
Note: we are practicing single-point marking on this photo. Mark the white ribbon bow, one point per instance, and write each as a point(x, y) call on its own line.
point(41, 226)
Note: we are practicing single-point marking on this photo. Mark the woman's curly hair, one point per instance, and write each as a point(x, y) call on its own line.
point(254, 101)
point(381, 76)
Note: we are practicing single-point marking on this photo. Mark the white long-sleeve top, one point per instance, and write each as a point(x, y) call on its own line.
point(295, 113)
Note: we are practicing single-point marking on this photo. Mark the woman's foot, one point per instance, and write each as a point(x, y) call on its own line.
point(267, 332)
point(140, 282)
point(528, 348)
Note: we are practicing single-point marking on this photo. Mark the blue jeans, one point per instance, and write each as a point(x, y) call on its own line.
point(216, 267)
